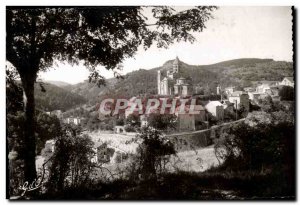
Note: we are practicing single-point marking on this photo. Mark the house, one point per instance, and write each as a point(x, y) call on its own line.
point(240, 99)
point(73, 120)
point(274, 90)
point(182, 88)
point(216, 109)
point(186, 120)
point(229, 90)
point(57, 113)
point(287, 81)
point(201, 116)
point(249, 89)
point(144, 120)
point(264, 86)
point(254, 96)
point(119, 129)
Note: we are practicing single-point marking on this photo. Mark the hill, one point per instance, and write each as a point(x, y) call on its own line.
point(58, 83)
point(241, 62)
point(238, 72)
point(56, 98)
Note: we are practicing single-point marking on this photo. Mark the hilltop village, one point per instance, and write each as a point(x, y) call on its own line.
point(226, 105)
point(229, 103)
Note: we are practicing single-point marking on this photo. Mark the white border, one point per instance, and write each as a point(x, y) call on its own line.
point(4, 3)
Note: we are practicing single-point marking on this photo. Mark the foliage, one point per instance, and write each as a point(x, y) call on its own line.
point(142, 82)
point(120, 121)
point(129, 128)
point(242, 112)
point(14, 92)
point(133, 120)
point(122, 29)
point(266, 104)
point(56, 98)
point(229, 115)
point(162, 122)
point(287, 93)
point(212, 120)
point(259, 147)
point(71, 164)
point(152, 154)
point(37, 36)
point(48, 127)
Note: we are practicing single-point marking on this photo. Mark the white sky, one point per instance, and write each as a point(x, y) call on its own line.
point(235, 32)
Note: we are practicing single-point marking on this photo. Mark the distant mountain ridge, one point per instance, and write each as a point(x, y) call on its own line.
point(50, 97)
point(242, 62)
point(237, 72)
point(58, 83)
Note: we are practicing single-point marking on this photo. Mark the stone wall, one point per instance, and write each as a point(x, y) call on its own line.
point(194, 140)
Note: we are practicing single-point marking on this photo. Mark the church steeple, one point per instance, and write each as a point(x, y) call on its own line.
point(176, 65)
point(158, 82)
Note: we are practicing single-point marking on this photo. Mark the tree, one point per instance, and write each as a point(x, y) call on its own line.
point(152, 151)
point(71, 163)
point(267, 104)
point(287, 93)
point(133, 120)
point(37, 36)
point(162, 122)
point(48, 127)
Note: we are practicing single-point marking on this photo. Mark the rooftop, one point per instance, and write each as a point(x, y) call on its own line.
point(291, 79)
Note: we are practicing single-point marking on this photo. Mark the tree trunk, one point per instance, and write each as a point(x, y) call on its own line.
point(29, 132)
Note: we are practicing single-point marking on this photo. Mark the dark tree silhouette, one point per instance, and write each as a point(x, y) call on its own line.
point(37, 36)
point(287, 93)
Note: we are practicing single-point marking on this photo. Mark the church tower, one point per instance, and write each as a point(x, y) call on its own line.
point(176, 65)
point(218, 90)
point(158, 82)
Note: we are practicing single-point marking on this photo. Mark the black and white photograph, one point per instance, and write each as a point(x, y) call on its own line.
point(150, 103)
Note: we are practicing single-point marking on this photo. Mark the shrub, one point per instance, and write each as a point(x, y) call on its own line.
point(152, 154)
point(287, 93)
point(70, 165)
point(257, 147)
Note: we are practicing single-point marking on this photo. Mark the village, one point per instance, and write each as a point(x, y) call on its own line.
point(232, 104)
point(150, 102)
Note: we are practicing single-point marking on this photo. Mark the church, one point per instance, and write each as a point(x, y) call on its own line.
point(173, 83)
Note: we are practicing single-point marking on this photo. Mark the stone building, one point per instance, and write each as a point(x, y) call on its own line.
point(172, 84)
point(240, 99)
point(287, 81)
point(229, 90)
point(187, 121)
point(264, 86)
point(216, 108)
point(182, 88)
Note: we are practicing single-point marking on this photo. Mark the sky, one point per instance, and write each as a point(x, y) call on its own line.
point(234, 32)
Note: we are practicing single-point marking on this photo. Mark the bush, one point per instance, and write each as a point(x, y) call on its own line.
point(133, 120)
point(70, 165)
point(287, 93)
point(152, 154)
point(129, 128)
point(257, 147)
point(162, 122)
